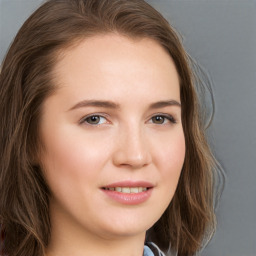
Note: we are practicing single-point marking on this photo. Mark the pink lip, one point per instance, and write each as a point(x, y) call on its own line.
point(126, 198)
point(130, 184)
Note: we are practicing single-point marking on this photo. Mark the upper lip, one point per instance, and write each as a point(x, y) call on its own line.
point(130, 184)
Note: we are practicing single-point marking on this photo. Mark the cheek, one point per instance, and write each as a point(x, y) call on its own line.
point(71, 147)
point(69, 161)
point(171, 159)
point(74, 164)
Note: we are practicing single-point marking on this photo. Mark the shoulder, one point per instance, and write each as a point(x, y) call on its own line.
point(151, 249)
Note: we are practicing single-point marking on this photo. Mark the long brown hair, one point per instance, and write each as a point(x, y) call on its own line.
point(27, 79)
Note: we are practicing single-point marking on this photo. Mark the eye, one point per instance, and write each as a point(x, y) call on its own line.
point(163, 119)
point(94, 120)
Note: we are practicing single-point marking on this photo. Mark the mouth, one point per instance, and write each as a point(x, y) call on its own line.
point(127, 190)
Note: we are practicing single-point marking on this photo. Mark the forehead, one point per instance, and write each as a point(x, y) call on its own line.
point(110, 62)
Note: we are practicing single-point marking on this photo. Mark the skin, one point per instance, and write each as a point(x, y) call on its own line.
point(129, 143)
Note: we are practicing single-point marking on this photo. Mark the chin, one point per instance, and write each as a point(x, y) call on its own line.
point(128, 226)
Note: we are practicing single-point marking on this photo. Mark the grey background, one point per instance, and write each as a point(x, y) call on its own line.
point(221, 37)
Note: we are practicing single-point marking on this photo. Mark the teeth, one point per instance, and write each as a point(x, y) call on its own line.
point(134, 190)
point(128, 190)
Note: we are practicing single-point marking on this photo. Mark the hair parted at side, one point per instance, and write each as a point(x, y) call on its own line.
point(26, 80)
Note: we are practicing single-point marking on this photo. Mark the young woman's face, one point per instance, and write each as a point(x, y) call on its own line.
point(112, 136)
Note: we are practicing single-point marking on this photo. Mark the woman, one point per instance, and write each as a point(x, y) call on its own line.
point(102, 149)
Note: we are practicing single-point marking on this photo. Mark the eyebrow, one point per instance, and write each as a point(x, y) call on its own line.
point(113, 105)
point(162, 104)
point(95, 103)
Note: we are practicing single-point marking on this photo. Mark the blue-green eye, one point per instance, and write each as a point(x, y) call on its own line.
point(94, 120)
point(163, 119)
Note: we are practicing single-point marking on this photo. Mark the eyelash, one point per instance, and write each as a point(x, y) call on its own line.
point(165, 117)
point(170, 118)
point(85, 119)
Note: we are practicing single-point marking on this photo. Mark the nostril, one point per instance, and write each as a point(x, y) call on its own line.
point(127, 159)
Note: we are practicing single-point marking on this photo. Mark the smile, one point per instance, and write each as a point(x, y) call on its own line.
point(127, 190)
point(128, 195)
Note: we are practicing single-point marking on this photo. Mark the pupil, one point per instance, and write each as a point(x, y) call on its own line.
point(159, 119)
point(94, 119)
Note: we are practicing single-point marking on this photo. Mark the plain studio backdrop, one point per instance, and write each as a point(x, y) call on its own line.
point(220, 35)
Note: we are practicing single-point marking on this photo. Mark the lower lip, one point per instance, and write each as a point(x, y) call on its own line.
point(129, 198)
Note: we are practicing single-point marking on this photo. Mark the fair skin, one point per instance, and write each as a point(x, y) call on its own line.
point(114, 121)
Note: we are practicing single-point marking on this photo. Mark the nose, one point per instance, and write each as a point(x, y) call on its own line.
point(132, 150)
